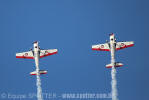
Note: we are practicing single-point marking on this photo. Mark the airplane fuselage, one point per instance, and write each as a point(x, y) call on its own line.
point(36, 55)
point(112, 48)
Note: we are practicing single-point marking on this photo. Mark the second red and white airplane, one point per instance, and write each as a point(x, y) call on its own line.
point(36, 54)
point(113, 46)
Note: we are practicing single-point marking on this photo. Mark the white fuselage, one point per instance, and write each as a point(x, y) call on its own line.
point(112, 48)
point(36, 55)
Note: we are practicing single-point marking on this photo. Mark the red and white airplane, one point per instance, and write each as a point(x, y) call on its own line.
point(112, 46)
point(36, 54)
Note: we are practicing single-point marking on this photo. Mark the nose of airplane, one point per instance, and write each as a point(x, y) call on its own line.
point(35, 42)
point(111, 34)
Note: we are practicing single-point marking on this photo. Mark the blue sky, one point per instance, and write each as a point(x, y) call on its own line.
point(72, 26)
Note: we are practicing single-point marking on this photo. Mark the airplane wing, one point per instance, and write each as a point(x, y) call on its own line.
point(25, 55)
point(101, 47)
point(44, 53)
point(122, 45)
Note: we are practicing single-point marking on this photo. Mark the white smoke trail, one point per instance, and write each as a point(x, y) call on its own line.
point(114, 84)
point(39, 89)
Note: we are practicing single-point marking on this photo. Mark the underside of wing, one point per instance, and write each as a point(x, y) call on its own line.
point(101, 47)
point(44, 53)
point(122, 45)
point(25, 55)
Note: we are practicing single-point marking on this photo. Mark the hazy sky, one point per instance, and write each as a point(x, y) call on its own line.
point(72, 26)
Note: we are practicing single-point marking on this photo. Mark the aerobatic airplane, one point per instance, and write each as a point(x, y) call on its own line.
point(36, 54)
point(112, 46)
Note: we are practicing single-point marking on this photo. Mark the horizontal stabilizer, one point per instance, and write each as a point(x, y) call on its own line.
point(40, 72)
point(117, 64)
